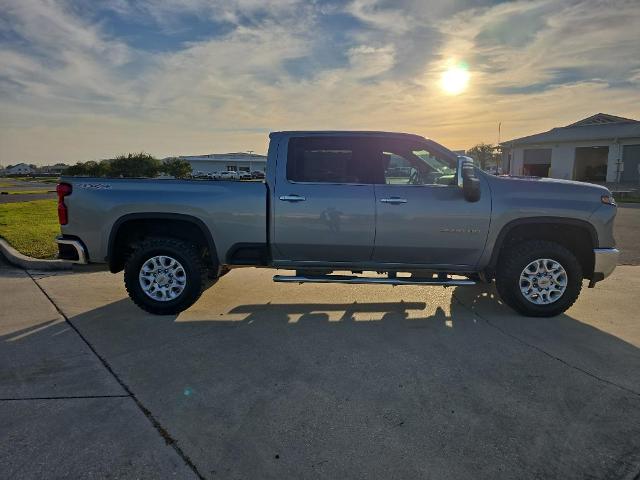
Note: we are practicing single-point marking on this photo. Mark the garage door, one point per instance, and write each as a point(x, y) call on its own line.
point(631, 159)
point(537, 162)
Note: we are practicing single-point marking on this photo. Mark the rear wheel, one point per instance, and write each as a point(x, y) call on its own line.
point(539, 278)
point(165, 276)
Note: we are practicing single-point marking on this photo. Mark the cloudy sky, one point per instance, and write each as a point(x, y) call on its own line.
point(83, 80)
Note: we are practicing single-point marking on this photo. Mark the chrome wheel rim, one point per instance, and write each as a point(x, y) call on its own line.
point(162, 278)
point(543, 281)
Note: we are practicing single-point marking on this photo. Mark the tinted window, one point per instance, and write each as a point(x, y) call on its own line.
point(325, 160)
point(379, 160)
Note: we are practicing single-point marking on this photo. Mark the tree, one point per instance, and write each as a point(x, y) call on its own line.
point(129, 165)
point(95, 169)
point(75, 170)
point(89, 169)
point(134, 165)
point(484, 154)
point(177, 167)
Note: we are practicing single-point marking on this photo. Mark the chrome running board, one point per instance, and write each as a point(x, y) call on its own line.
point(447, 282)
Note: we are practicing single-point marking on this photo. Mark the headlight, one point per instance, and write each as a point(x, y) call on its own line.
point(608, 199)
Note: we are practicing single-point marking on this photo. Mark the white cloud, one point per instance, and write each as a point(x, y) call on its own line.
point(368, 61)
point(527, 42)
point(70, 91)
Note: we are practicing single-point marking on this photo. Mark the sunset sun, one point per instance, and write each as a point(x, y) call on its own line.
point(455, 79)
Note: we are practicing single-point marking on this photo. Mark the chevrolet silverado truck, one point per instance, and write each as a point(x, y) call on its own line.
point(346, 207)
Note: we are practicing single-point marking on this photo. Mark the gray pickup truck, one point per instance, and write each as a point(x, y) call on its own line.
point(335, 205)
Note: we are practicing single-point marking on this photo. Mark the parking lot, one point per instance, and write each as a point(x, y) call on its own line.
point(264, 380)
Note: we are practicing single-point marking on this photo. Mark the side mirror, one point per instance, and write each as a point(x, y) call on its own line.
point(467, 179)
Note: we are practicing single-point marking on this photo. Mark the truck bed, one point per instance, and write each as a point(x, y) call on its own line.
point(229, 209)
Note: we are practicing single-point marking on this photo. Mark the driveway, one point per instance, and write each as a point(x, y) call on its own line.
point(63, 413)
point(264, 380)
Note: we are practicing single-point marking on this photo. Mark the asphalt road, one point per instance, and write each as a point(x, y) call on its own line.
point(264, 380)
point(26, 198)
point(11, 185)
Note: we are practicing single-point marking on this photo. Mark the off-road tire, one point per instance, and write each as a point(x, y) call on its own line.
point(513, 261)
point(187, 254)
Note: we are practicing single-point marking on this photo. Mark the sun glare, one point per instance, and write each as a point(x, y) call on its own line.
point(455, 79)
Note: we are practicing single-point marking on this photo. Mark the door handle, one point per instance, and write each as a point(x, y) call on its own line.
point(394, 200)
point(292, 198)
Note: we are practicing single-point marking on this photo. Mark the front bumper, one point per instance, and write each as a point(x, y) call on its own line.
point(605, 261)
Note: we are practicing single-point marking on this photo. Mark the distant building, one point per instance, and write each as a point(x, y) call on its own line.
point(56, 169)
point(600, 148)
point(19, 169)
point(220, 162)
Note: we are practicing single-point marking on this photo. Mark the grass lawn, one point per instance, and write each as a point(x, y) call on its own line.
point(30, 227)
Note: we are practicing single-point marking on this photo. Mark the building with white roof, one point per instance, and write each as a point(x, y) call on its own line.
point(221, 162)
point(600, 148)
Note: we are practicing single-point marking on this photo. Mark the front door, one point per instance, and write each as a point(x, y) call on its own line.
point(422, 216)
point(323, 208)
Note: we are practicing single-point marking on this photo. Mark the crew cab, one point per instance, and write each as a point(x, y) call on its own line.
point(397, 204)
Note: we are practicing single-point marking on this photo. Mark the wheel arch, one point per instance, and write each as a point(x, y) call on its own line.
point(134, 226)
point(577, 235)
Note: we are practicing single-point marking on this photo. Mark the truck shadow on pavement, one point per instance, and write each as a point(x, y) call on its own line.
point(466, 389)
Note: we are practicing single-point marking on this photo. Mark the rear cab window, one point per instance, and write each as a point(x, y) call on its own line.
point(326, 160)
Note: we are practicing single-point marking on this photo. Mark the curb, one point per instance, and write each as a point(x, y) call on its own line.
point(28, 263)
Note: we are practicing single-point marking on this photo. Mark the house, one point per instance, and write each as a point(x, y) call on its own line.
point(600, 148)
point(20, 169)
point(220, 162)
point(56, 169)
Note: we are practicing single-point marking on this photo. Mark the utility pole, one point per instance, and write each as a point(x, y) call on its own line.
point(499, 155)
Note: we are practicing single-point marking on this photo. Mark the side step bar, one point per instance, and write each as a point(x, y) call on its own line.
point(375, 280)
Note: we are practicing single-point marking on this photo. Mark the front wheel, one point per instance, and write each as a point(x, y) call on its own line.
point(165, 276)
point(539, 278)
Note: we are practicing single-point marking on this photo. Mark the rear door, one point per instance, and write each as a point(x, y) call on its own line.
point(324, 207)
point(422, 216)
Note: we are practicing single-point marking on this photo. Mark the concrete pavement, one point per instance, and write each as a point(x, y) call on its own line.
point(62, 413)
point(625, 228)
point(263, 380)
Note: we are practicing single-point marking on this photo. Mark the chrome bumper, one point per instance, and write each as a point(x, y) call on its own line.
point(606, 260)
point(80, 250)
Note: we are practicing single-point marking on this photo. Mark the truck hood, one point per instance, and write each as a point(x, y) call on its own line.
point(550, 184)
point(556, 181)
point(547, 193)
